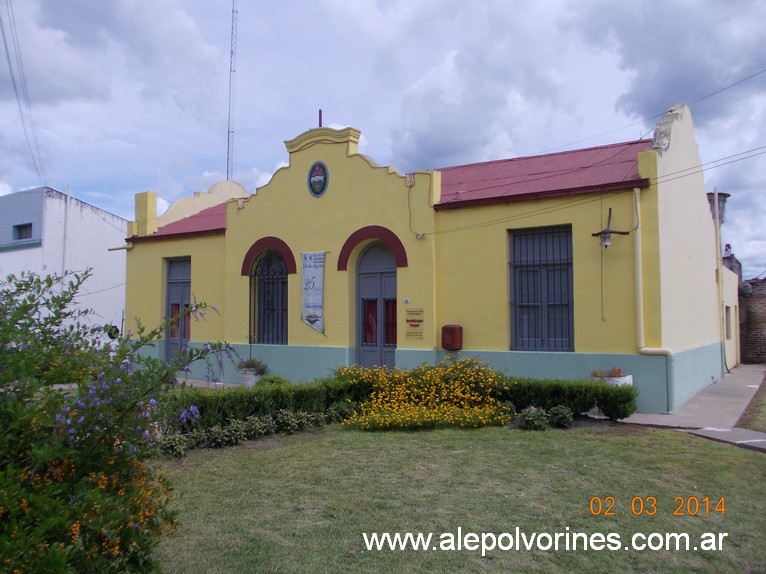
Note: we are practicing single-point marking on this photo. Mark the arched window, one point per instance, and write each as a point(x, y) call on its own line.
point(268, 299)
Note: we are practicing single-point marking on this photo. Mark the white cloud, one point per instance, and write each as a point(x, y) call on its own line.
point(162, 205)
point(131, 96)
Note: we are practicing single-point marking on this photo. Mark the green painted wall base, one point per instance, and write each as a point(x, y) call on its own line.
point(297, 364)
point(664, 383)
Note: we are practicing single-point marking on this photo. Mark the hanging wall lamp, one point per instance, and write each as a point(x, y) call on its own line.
point(605, 234)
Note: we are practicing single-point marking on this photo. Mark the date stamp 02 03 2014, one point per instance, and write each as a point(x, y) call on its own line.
point(648, 506)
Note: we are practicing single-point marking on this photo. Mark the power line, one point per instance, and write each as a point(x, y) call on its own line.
point(699, 169)
point(21, 91)
point(643, 121)
point(750, 77)
point(583, 200)
point(86, 293)
point(661, 179)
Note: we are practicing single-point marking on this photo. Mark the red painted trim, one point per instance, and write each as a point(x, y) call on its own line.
point(182, 235)
point(262, 245)
point(372, 232)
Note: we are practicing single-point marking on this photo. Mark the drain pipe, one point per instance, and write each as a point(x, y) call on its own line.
point(638, 274)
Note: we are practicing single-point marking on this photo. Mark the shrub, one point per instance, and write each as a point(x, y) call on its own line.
point(561, 416)
point(532, 418)
point(617, 402)
point(254, 366)
point(78, 491)
point(258, 426)
point(338, 412)
point(449, 394)
point(579, 395)
point(231, 434)
point(274, 380)
point(173, 444)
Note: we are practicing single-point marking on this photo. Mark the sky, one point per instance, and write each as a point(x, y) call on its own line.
point(121, 96)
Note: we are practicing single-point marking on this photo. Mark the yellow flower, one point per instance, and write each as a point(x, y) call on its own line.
point(74, 531)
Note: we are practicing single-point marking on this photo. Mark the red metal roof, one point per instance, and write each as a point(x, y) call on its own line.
point(208, 221)
point(603, 168)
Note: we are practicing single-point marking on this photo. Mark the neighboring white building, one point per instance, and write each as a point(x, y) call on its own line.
point(48, 232)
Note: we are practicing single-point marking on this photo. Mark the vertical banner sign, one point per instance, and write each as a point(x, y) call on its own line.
point(312, 309)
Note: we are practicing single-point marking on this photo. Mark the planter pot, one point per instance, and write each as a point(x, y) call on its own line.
point(625, 381)
point(249, 378)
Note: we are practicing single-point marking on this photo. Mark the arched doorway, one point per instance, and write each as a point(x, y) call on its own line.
point(268, 299)
point(376, 307)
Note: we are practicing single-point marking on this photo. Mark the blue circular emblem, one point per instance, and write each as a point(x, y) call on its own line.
point(318, 179)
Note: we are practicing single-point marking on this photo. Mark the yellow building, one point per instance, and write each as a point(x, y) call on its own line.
point(547, 266)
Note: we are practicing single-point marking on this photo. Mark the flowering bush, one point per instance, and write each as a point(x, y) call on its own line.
point(614, 372)
point(449, 394)
point(78, 492)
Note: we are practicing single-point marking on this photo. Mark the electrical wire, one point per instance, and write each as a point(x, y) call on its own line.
point(583, 200)
point(21, 91)
point(699, 168)
point(86, 293)
point(643, 121)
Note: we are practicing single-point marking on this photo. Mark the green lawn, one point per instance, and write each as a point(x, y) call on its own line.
point(754, 417)
point(301, 503)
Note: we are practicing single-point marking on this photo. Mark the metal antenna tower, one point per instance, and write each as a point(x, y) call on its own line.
point(232, 76)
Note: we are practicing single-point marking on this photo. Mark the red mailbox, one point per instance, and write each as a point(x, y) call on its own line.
point(452, 337)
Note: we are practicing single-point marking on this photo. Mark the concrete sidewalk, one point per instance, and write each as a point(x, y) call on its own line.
point(714, 411)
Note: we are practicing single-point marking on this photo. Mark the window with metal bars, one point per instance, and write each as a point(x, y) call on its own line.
point(23, 231)
point(268, 299)
point(541, 298)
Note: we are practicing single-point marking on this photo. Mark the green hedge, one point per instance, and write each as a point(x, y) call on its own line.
point(580, 395)
point(273, 395)
point(217, 407)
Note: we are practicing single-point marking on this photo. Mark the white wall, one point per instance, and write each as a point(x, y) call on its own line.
point(688, 253)
point(75, 236)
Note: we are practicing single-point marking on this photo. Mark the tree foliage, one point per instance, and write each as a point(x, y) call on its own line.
point(78, 426)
